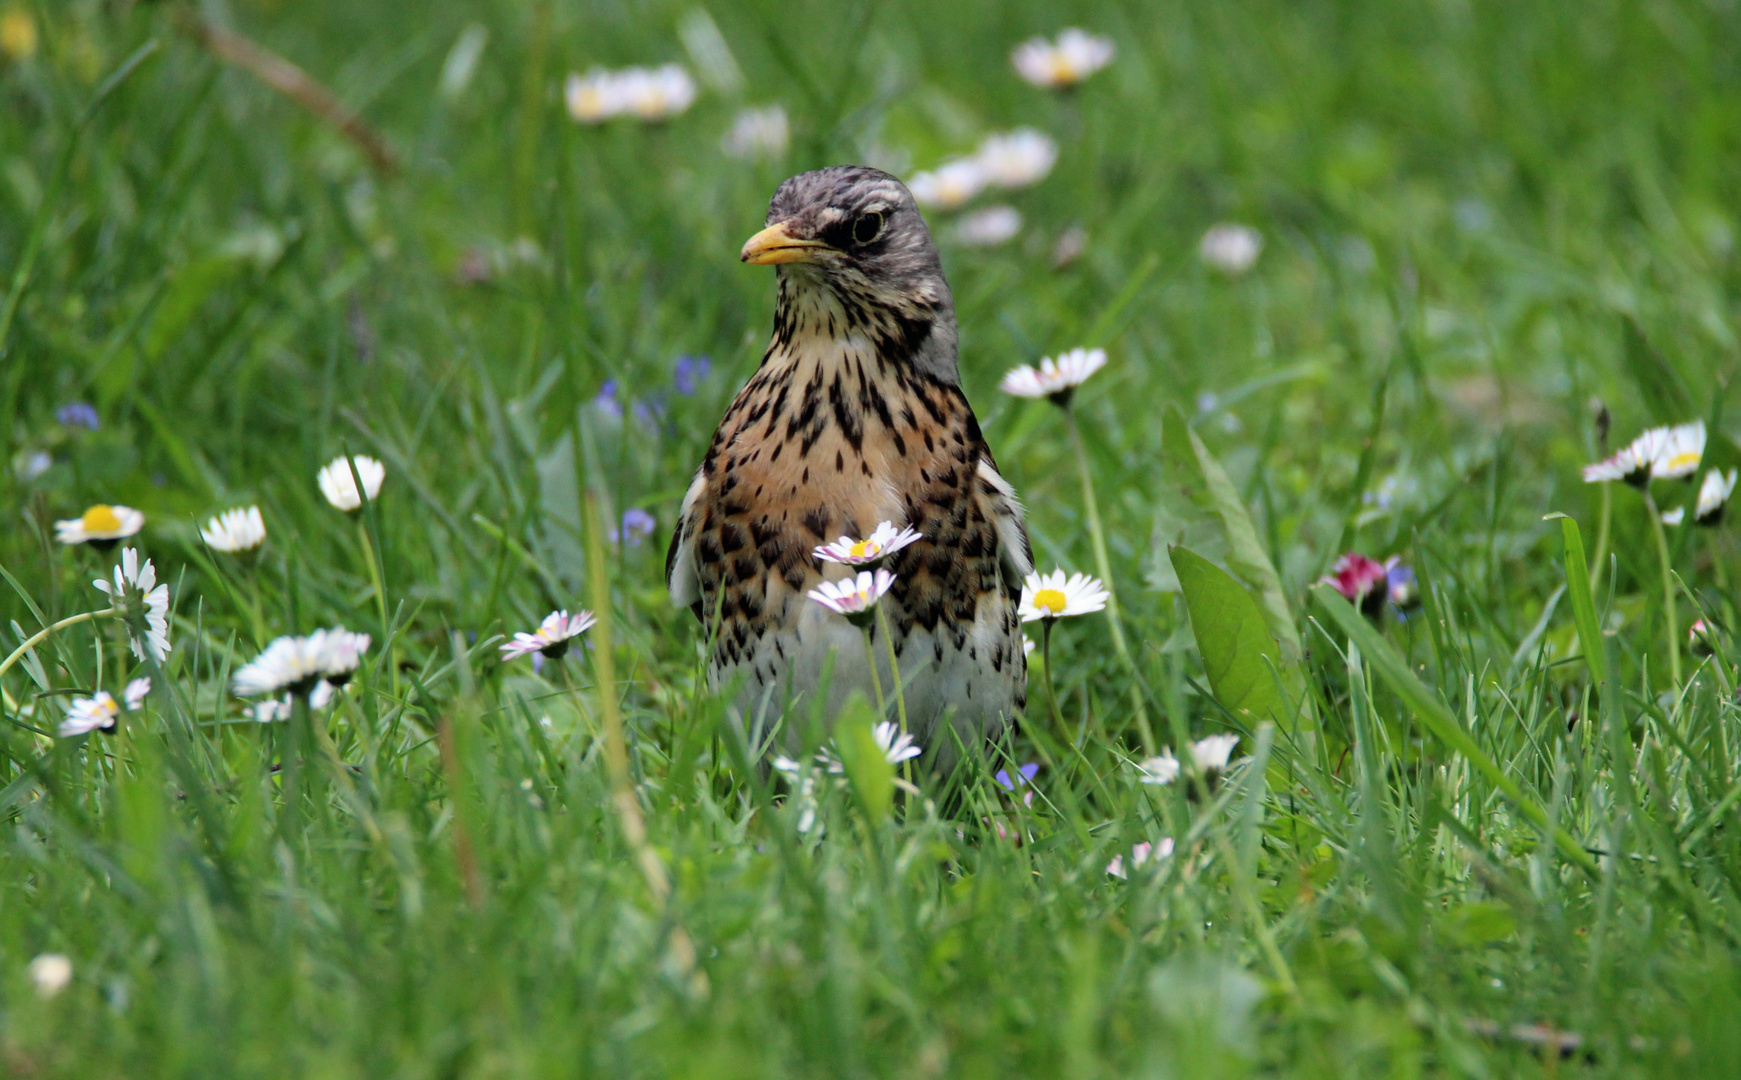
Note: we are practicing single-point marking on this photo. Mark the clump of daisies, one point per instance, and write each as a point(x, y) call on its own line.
point(1659, 453)
point(896, 745)
point(102, 526)
point(296, 666)
point(1062, 64)
point(141, 603)
point(1664, 453)
point(1010, 160)
point(235, 532)
point(647, 94)
point(339, 485)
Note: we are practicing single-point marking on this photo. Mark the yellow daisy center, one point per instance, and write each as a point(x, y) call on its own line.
point(101, 519)
point(1050, 600)
point(865, 549)
point(1682, 461)
point(1063, 71)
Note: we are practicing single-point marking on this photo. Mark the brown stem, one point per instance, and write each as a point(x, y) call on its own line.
point(294, 83)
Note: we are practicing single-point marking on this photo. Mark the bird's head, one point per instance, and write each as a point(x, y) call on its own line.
point(849, 240)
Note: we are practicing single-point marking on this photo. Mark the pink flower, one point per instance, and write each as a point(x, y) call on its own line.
point(1363, 582)
point(1140, 854)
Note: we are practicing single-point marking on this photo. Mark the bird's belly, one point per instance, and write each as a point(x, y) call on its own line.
point(970, 688)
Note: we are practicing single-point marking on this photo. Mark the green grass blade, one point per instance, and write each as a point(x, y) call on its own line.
point(1436, 718)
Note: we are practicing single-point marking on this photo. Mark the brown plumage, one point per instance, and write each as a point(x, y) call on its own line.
point(856, 417)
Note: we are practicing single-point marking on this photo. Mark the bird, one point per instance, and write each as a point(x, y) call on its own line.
point(856, 416)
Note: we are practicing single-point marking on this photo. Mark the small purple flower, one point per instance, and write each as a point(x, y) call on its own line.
point(78, 414)
point(606, 401)
point(1024, 778)
point(691, 372)
point(1404, 592)
point(637, 526)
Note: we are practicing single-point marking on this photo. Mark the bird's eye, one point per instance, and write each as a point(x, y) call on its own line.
point(867, 228)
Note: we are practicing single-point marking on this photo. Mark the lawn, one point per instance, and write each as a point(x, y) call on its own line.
point(1483, 825)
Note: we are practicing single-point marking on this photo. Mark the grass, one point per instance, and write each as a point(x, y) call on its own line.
point(1478, 217)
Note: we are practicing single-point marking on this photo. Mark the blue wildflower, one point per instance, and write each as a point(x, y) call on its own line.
point(78, 414)
point(691, 372)
point(606, 401)
point(637, 526)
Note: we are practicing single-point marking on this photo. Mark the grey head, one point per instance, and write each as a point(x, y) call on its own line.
point(857, 233)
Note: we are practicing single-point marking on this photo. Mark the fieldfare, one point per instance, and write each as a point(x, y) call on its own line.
point(856, 417)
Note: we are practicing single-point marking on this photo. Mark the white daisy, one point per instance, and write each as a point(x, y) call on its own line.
point(897, 746)
point(340, 488)
point(1211, 753)
point(143, 603)
point(805, 782)
point(552, 636)
point(654, 94)
point(1060, 65)
point(1230, 248)
point(1056, 379)
point(1016, 159)
point(100, 525)
point(1714, 495)
point(1050, 596)
point(592, 98)
point(344, 654)
point(1140, 854)
point(989, 227)
point(856, 598)
point(758, 133)
point(135, 693)
point(89, 714)
point(649, 94)
point(1683, 447)
point(1159, 770)
point(235, 531)
point(949, 185)
point(1028, 645)
point(298, 664)
point(1675, 516)
point(883, 541)
point(271, 710)
point(49, 974)
point(1632, 462)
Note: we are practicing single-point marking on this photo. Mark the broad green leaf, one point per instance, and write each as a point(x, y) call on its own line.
point(873, 778)
point(1583, 604)
point(1437, 718)
point(1238, 650)
point(1202, 478)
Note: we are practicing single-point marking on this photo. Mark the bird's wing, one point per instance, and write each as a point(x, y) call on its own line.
point(1015, 554)
point(681, 578)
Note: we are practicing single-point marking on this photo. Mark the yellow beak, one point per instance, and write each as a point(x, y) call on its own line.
point(774, 245)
